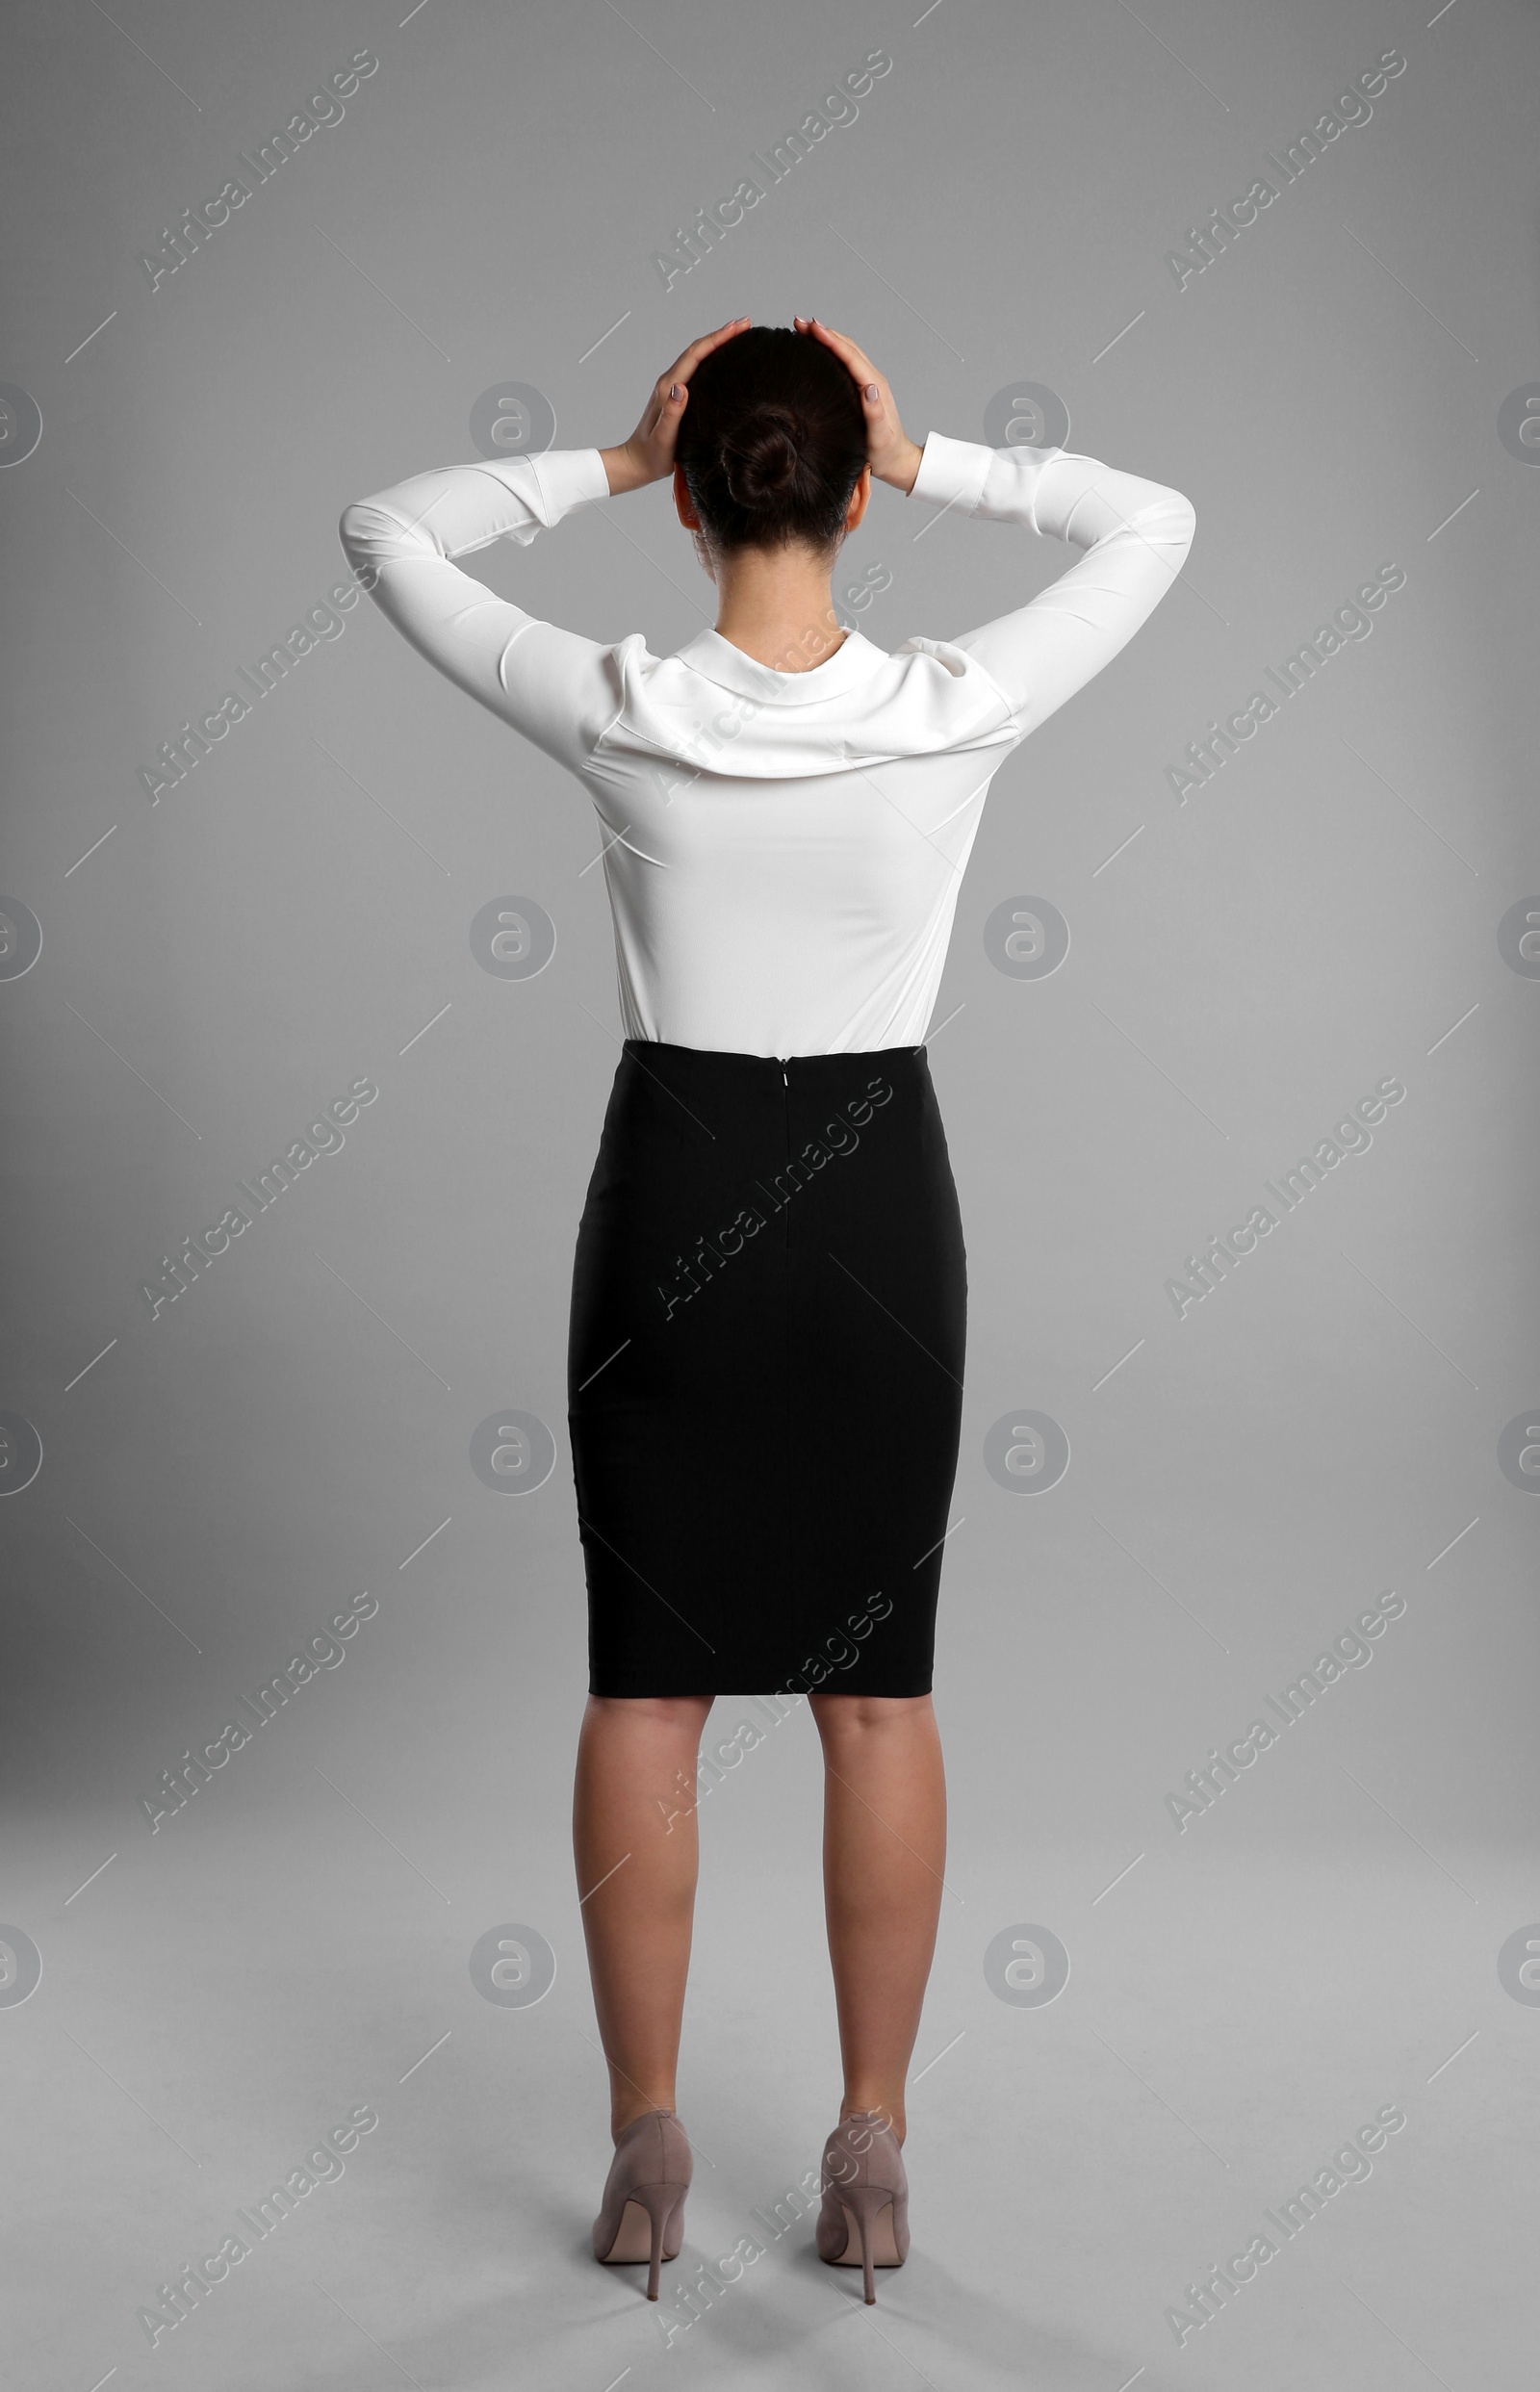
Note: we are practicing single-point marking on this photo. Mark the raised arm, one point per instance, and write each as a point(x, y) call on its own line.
point(559, 689)
point(1135, 534)
point(552, 684)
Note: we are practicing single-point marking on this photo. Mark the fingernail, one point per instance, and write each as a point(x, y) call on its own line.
point(871, 389)
point(672, 390)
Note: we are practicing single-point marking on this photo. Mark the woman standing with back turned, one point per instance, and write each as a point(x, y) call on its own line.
point(769, 1295)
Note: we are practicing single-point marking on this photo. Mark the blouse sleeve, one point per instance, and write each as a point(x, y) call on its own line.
point(1135, 533)
point(557, 688)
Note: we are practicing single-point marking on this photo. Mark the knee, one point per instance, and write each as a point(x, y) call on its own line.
point(681, 1714)
point(843, 1716)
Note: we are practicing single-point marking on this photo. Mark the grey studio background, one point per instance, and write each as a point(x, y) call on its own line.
point(1166, 1509)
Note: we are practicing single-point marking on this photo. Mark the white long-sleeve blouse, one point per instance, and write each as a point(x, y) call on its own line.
point(783, 850)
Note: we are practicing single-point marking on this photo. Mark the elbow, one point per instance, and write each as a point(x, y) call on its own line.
point(350, 529)
point(1166, 522)
point(1178, 527)
point(357, 529)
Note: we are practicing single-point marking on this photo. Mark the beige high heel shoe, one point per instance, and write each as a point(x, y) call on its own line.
point(642, 2213)
point(866, 2205)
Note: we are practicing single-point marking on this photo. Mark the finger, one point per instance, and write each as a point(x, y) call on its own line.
point(853, 354)
point(688, 358)
point(868, 381)
point(667, 408)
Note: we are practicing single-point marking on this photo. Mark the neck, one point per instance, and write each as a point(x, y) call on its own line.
point(777, 607)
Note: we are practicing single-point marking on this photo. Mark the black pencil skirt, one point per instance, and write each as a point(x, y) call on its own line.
point(764, 1373)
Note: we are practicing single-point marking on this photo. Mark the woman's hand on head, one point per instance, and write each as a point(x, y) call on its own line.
point(649, 453)
point(891, 454)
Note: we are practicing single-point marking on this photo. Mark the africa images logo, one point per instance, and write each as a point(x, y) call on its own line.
point(838, 1138)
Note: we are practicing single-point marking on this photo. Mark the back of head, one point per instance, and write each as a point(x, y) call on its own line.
point(772, 441)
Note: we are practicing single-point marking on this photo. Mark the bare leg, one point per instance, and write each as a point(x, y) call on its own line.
point(884, 1848)
point(636, 1851)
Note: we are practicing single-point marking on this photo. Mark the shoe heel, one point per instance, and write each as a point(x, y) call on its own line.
point(662, 2203)
point(654, 2148)
point(862, 2175)
point(861, 2204)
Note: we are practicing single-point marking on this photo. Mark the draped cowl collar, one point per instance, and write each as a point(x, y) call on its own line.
point(711, 706)
point(853, 661)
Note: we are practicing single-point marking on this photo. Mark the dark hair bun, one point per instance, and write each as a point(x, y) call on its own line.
point(760, 460)
point(772, 442)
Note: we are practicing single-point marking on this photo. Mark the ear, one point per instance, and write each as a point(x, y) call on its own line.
point(859, 498)
point(683, 504)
